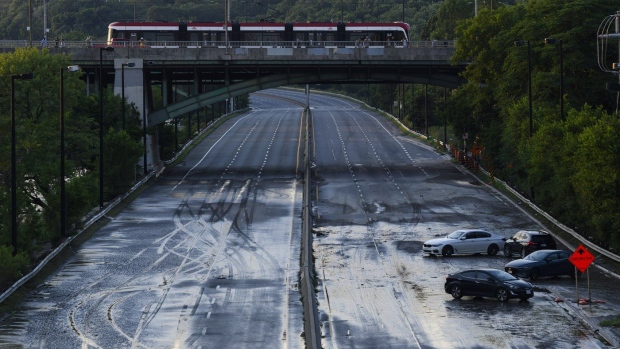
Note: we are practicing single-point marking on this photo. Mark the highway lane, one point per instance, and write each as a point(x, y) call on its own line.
point(378, 196)
point(205, 258)
point(208, 257)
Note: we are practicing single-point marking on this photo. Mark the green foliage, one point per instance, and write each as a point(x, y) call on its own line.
point(12, 268)
point(120, 161)
point(166, 140)
point(569, 165)
point(37, 109)
point(611, 322)
point(597, 176)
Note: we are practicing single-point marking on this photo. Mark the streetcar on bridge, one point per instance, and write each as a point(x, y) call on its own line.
point(258, 34)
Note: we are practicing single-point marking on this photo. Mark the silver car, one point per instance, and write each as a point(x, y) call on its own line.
point(465, 241)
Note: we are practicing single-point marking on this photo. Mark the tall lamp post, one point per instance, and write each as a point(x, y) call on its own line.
point(529, 78)
point(553, 41)
point(130, 65)
point(63, 196)
point(101, 49)
point(27, 76)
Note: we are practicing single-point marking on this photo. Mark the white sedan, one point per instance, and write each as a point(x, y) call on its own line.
point(465, 241)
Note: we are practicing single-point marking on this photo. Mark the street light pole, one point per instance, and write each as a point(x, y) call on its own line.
point(14, 162)
point(30, 23)
point(123, 65)
point(63, 202)
point(226, 15)
point(101, 49)
point(529, 78)
point(553, 41)
point(144, 80)
point(63, 195)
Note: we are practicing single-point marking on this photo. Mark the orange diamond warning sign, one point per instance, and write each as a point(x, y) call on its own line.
point(581, 258)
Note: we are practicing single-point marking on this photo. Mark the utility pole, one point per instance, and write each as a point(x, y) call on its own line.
point(45, 20)
point(30, 23)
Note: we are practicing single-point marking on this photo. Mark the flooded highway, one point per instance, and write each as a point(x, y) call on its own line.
point(378, 196)
point(208, 256)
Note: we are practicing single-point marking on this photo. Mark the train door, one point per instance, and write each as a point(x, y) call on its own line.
point(341, 35)
point(315, 38)
point(235, 34)
point(300, 38)
point(288, 32)
point(182, 32)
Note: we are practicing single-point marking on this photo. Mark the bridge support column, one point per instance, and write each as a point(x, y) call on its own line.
point(135, 94)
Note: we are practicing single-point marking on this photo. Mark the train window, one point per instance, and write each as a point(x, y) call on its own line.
point(271, 37)
point(214, 37)
point(119, 35)
point(357, 36)
point(252, 37)
point(149, 37)
point(165, 37)
point(300, 36)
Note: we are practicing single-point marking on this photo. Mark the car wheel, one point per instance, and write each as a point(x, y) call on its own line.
point(493, 249)
point(534, 274)
point(507, 251)
point(447, 251)
point(523, 253)
point(502, 295)
point(456, 291)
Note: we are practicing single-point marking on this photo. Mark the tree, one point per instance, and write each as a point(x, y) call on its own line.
point(122, 154)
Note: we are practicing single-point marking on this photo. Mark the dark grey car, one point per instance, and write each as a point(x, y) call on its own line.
point(487, 283)
point(542, 263)
point(525, 242)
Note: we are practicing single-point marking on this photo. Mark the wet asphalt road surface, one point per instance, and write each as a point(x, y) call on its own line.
point(208, 257)
point(205, 258)
point(378, 196)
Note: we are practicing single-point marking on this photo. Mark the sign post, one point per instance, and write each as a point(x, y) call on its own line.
point(581, 259)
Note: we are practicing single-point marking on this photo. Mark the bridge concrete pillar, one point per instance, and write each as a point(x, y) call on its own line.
point(135, 94)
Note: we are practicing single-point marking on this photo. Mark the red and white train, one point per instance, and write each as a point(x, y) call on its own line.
point(255, 34)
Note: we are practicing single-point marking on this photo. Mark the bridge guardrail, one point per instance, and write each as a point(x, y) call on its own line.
point(231, 44)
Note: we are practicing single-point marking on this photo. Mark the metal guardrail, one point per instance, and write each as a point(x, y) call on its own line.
point(312, 328)
point(589, 244)
point(232, 44)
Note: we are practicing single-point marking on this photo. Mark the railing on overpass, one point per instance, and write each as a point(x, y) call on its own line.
point(232, 44)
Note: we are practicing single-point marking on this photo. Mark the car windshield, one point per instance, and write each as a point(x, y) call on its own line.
point(456, 235)
point(501, 275)
point(536, 256)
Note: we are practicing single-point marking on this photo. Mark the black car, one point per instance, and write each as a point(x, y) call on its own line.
point(487, 283)
point(542, 263)
point(527, 241)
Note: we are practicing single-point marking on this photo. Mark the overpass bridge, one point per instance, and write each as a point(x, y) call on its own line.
point(195, 77)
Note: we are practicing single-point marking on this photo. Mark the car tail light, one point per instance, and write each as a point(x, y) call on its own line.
point(531, 243)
